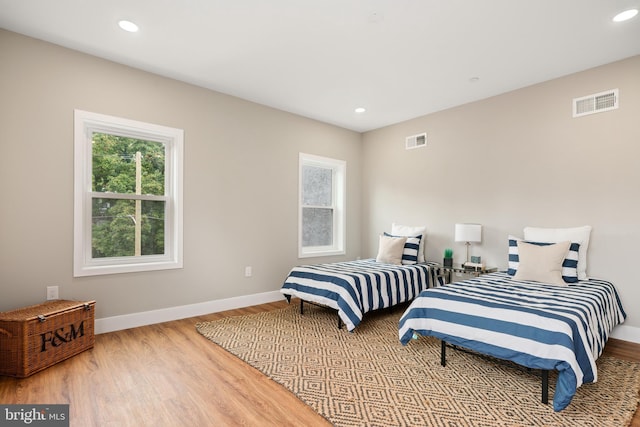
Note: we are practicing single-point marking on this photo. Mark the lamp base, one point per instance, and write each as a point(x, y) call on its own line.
point(468, 244)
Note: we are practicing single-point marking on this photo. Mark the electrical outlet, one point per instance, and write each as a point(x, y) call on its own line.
point(248, 271)
point(52, 292)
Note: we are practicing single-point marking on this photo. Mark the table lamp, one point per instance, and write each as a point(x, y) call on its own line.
point(468, 233)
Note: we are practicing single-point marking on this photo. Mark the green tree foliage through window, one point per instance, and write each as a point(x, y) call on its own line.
point(127, 166)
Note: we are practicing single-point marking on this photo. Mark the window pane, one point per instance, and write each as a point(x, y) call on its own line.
point(114, 165)
point(316, 186)
point(152, 232)
point(113, 229)
point(317, 227)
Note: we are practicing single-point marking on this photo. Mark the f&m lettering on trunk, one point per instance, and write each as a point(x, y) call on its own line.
point(61, 336)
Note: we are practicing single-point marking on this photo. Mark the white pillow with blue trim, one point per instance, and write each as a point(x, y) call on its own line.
point(569, 265)
point(411, 249)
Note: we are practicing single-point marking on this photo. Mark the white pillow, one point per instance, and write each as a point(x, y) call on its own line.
point(576, 234)
point(390, 249)
point(541, 263)
point(411, 231)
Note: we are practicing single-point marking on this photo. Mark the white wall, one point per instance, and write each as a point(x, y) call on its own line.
point(240, 181)
point(515, 160)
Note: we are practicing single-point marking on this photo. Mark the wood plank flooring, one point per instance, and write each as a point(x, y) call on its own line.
point(169, 375)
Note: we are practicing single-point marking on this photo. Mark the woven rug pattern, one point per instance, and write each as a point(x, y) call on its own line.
point(367, 378)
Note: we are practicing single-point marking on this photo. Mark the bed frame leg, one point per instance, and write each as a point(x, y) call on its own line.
point(545, 386)
point(302, 313)
point(443, 353)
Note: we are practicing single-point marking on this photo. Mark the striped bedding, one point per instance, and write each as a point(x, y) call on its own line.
point(354, 288)
point(536, 325)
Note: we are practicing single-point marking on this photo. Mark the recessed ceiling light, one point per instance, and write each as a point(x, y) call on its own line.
point(626, 15)
point(360, 110)
point(128, 26)
point(474, 79)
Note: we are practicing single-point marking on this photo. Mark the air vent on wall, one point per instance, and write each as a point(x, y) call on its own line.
point(416, 141)
point(596, 103)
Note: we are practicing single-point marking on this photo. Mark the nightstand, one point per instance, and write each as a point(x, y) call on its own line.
point(444, 274)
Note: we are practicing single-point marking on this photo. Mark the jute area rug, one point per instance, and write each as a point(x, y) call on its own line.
point(367, 378)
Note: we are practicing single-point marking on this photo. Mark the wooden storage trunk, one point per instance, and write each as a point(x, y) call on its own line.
point(36, 337)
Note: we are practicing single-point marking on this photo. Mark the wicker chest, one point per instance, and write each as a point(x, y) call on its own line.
point(36, 337)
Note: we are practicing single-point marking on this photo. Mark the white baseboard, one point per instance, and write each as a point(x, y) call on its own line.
point(126, 321)
point(626, 333)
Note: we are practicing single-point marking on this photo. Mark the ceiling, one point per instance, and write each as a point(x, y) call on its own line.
point(321, 59)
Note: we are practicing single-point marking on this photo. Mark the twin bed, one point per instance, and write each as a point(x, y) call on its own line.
point(535, 325)
point(535, 314)
point(357, 287)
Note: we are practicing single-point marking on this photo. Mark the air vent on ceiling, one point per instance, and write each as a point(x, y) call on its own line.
point(596, 103)
point(416, 141)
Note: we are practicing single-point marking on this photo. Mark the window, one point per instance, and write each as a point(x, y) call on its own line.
point(127, 196)
point(322, 206)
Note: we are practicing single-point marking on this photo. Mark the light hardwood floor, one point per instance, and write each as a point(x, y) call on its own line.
point(169, 375)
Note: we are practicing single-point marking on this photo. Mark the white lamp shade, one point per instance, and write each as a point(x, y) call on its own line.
point(468, 233)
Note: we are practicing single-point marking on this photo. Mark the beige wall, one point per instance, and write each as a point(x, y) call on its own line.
point(240, 181)
point(515, 160)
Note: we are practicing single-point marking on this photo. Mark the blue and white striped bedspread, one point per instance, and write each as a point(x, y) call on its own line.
point(536, 325)
point(357, 287)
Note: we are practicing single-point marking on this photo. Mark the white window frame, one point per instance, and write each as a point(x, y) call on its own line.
point(339, 182)
point(85, 124)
